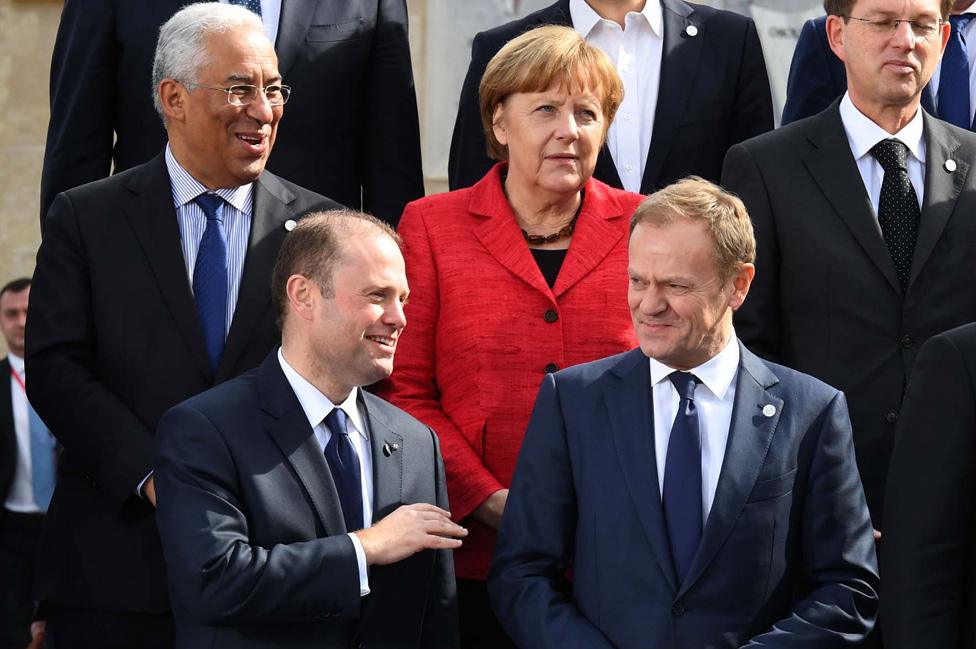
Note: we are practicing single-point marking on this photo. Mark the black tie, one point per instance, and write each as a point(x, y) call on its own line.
point(898, 211)
point(682, 477)
point(344, 465)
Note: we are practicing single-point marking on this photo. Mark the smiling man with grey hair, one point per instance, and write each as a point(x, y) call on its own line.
point(152, 286)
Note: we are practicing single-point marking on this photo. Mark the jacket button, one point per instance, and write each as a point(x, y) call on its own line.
point(678, 609)
point(907, 342)
point(551, 367)
point(551, 316)
point(891, 417)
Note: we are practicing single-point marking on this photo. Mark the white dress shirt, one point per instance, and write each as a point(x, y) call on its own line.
point(20, 498)
point(714, 398)
point(863, 134)
point(270, 16)
point(968, 34)
point(316, 407)
point(636, 51)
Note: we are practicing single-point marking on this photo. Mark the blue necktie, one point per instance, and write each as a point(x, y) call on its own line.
point(344, 466)
point(42, 460)
point(682, 477)
point(954, 76)
point(253, 5)
point(210, 278)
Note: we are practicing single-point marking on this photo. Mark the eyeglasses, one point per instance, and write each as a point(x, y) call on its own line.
point(922, 28)
point(243, 94)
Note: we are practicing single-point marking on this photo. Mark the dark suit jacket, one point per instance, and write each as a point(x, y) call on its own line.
point(826, 300)
point(350, 130)
point(8, 436)
point(252, 528)
point(930, 527)
point(113, 340)
point(714, 93)
point(817, 76)
point(787, 542)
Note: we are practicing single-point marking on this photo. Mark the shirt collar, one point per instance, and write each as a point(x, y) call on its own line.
point(585, 19)
point(315, 404)
point(16, 362)
point(716, 374)
point(863, 134)
point(186, 187)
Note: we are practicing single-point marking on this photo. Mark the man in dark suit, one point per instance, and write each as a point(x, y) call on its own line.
point(296, 510)
point(695, 84)
point(930, 523)
point(27, 473)
point(352, 131)
point(701, 497)
point(151, 286)
point(865, 218)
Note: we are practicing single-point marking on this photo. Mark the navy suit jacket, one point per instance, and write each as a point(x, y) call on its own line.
point(256, 547)
point(786, 558)
point(714, 93)
point(817, 76)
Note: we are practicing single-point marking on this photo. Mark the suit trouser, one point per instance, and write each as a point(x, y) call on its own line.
point(18, 546)
point(77, 628)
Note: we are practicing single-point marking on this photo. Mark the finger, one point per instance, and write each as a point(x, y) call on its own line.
point(433, 542)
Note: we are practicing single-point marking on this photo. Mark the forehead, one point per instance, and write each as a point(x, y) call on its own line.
point(682, 246)
point(368, 259)
point(12, 300)
point(905, 8)
point(243, 51)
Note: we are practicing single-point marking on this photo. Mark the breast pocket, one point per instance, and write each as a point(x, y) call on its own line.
point(773, 487)
point(338, 31)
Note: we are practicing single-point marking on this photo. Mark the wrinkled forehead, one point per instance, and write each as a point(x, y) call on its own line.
point(898, 8)
point(241, 55)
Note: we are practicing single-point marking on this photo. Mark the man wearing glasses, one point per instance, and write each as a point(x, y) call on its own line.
point(866, 220)
point(152, 286)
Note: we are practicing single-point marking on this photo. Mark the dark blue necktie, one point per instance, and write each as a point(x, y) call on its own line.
point(253, 5)
point(954, 76)
point(344, 465)
point(210, 278)
point(683, 478)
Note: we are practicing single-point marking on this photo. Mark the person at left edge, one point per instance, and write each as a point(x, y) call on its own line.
point(27, 474)
point(702, 497)
point(352, 132)
point(267, 542)
point(141, 300)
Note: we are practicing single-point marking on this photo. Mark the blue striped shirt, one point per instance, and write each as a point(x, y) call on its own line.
point(237, 224)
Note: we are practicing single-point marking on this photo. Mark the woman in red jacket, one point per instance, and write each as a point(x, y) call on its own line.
point(522, 274)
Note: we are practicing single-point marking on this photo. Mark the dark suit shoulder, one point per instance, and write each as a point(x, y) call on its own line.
point(399, 421)
point(960, 341)
point(586, 374)
point(305, 199)
point(228, 398)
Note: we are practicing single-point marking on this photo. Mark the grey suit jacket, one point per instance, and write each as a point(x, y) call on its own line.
point(825, 299)
point(252, 530)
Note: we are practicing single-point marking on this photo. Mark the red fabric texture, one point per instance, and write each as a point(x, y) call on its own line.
point(477, 341)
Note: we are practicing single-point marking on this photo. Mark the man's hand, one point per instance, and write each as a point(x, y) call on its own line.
point(149, 490)
point(490, 511)
point(408, 530)
point(37, 630)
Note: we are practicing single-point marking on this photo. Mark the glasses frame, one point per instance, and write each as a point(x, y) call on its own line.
point(234, 100)
point(890, 25)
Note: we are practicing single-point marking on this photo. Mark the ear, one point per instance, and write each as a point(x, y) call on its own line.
point(498, 126)
point(303, 294)
point(835, 35)
point(173, 98)
point(946, 30)
point(741, 281)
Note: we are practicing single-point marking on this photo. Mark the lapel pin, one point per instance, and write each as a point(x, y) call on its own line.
point(769, 410)
point(389, 449)
point(691, 30)
point(950, 165)
point(290, 225)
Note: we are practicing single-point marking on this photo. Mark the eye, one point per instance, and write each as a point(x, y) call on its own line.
point(586, 115)
point(546, 108)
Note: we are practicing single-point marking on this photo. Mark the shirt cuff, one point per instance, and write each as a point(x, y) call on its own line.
point(361, 561)
point(141, 483)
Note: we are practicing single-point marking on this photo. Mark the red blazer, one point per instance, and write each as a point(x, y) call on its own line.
point(483, 327)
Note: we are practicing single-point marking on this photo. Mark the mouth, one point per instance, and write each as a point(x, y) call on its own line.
point(901, 67)
point(386, 343)
point(255, 143)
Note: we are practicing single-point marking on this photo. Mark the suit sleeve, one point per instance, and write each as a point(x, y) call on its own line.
point(440, 629)
point(839, 565)
point(83, 100)
point(809, 87)
point(757, 322)
point(527, 583)
point(928, 536)
point(214, 570)
point(413, 385)
point(753, 111)
point(469, 159)
point(393, 175)
point(104, 438)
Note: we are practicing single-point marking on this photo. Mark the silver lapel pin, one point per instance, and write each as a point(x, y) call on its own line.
point(769, 410)
point(950, 165)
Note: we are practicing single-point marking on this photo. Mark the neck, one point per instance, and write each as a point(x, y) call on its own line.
point(186, 159)
point(16, 351)
point(891, 117)
point(540, 212)
point(616, 10)
point(959, 6)
point(303, 362)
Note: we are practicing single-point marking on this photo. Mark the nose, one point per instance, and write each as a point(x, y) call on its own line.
point(394, 315)
point(652, 301)
point(903, 35)
point(260, 109)
point(566, 129)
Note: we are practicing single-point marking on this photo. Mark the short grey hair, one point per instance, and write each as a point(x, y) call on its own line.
point(180, 53)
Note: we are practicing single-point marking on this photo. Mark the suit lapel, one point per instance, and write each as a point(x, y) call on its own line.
point(834, 169)
point(750, 435)
point(942, 188)
point(387, 449)
point(679, 70)
point(152, 217)
point(288, 427)
point(8, 435)
point(292, 27)
point(631, 417)
point(595, 236)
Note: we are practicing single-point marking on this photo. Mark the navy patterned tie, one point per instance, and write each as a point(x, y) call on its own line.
point(344, 466)
point(253, 5)
point(898, 211)
point(210, 278)
point(954, 76)
point(682, 477)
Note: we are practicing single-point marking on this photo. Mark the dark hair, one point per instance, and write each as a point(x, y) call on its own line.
point(16, 286)
point(314, 247)
point(843, 7)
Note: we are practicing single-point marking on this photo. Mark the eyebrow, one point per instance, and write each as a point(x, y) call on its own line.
point(248, 78)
